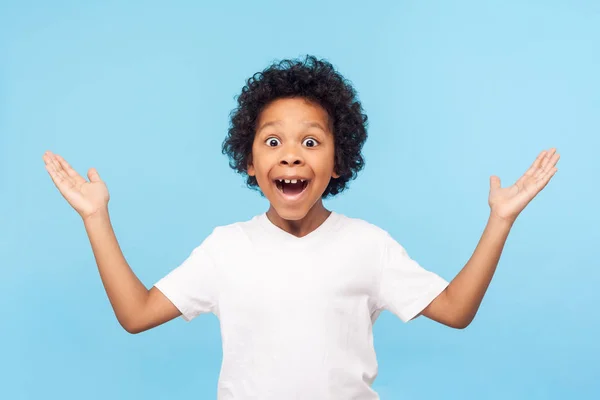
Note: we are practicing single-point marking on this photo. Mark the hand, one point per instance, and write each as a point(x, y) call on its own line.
point(507, 203)
point(87, 198)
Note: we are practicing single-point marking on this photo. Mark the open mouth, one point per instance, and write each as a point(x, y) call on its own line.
point(291, 188)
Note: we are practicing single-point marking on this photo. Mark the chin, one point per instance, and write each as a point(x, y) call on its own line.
point(293, 212)
point(290, 213)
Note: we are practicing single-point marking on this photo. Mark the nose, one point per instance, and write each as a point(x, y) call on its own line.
point(291, 158)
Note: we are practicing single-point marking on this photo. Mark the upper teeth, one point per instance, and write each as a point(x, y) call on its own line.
point(291, 180)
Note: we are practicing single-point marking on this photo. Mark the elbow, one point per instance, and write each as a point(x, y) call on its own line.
point(130, 327)
point(132, 331)
point(461, 318)
point(460, 323)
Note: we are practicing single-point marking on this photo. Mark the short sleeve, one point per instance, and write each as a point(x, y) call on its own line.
point(406, 288)
point(193, 286)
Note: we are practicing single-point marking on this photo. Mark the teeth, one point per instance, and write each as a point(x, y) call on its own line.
point(291, 180)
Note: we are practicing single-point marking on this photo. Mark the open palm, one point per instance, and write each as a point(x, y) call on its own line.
point(85, 197)
point(508, 202)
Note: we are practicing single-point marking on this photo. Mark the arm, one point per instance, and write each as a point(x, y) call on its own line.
point(136, 308)
point(457, 305)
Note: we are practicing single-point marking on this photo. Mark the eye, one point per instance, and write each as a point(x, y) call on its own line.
point(272, 142)
point(310, 142)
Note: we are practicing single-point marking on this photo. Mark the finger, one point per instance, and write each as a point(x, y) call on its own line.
point(50, 166)
point(533, 169)
point(545, 162)
point(544, 179)
point(60, 179)
point(93, 175)
point(536, 164)
point(554, 160)
point(56, 177)
point(542, 167)
point(50, 160)
point(69, 170)
point(495, 182)
point(51, 171)
point(59, 169)
point(550, 164)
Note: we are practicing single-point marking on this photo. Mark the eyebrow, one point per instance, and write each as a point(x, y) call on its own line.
point(307, 124)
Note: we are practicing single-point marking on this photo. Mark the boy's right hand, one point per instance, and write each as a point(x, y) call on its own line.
point(87, 198)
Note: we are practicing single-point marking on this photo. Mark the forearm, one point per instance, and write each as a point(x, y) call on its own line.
point(467, 289)
point(126, 293)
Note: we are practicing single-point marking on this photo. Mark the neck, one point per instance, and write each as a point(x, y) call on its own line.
point(303, 226)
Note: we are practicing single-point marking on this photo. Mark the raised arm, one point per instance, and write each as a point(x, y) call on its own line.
point(457, 305)
point(136, 308)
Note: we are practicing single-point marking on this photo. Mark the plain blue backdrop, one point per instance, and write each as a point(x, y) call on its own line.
point(455, 92)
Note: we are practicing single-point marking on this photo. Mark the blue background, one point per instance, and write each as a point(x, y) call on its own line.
point(455, 92)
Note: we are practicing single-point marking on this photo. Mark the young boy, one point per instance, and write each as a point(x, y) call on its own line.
point(297, 288)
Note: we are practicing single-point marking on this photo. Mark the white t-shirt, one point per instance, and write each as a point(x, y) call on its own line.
point(296, 314)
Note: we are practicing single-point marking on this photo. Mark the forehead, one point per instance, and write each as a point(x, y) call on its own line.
point(293, 111)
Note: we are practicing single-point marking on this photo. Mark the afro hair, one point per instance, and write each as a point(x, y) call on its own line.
point(316, 81)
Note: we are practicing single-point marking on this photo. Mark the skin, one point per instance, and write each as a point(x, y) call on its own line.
point(294, 137)
point(136, 308)
point(457, 305)
point(294, 123)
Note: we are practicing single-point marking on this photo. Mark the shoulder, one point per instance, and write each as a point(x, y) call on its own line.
point(365, 230)
point(224, 242)
point(368, 235)
point(227, 235)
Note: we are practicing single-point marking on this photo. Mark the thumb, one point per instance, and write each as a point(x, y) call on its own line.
point(494, 182)
point(93, 175)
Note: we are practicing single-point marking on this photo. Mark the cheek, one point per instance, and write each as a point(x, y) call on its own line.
point(324, 163)
point(254, 160)
point(260, 170)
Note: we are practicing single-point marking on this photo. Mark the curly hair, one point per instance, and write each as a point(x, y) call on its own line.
point(316, 81)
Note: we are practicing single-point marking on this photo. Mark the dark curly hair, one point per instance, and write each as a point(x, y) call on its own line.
point(318, 82)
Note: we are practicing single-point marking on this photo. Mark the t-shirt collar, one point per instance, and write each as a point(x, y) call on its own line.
point(321, 230)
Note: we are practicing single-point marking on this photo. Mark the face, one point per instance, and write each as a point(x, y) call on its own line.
point(293, 156)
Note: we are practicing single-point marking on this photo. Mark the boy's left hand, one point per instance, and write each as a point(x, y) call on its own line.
point(506, 203)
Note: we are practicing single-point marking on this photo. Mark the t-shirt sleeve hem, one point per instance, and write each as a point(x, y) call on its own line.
point(434, 290)
point(174, 298)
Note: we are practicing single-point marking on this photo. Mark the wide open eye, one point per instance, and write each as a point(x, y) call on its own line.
point(310, 142)
point(272, 141)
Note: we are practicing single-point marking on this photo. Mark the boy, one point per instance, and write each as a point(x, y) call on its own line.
point(297, 288)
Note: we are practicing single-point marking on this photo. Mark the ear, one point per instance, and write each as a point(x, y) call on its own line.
point(250, 168)
point(335, 175)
